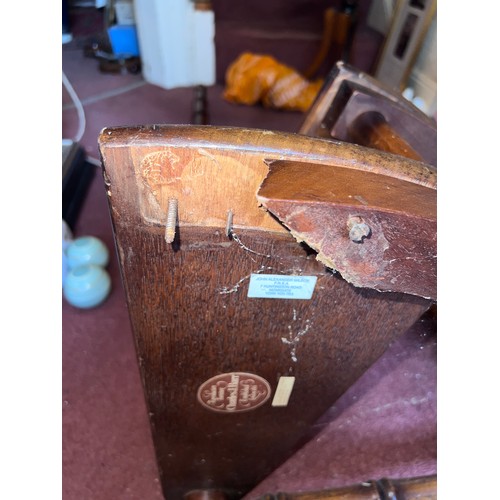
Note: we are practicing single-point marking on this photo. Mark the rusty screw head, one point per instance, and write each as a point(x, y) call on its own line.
point(358, 229)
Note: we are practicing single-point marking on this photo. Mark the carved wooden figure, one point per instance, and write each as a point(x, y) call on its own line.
point(244, 338)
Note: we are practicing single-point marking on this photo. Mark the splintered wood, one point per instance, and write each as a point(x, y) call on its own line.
point(324, 205)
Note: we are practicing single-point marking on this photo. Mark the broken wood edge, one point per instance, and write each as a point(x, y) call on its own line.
point(327, 261)
point(270, 144)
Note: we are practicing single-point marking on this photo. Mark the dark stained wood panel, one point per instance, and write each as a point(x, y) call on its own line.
point(191, 315)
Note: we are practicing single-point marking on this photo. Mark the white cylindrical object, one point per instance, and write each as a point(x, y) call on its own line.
point(176, 43)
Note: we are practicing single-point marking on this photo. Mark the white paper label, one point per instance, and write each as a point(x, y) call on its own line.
point(283, 391)
point(279, 286)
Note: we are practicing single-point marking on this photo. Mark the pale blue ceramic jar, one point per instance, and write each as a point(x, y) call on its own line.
point(87, 250)
point(86, 286)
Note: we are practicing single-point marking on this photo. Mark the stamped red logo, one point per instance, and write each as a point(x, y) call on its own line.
point(234, 392)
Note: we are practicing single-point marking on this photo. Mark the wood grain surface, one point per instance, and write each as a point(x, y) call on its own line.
point(189, 307)
point(345, 106)
point(371, 129)
point(182, 161)
point(318, 203)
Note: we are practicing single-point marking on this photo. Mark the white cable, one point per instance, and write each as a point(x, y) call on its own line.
point(78, 105)
point(93, 161)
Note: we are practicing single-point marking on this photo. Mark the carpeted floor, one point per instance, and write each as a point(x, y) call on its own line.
point(383, 426)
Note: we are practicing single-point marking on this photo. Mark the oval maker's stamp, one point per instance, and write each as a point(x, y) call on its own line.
point(234, 392)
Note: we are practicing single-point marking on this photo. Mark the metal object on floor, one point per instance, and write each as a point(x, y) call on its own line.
point(113, 63)
point(77, 174)
point(200, 106)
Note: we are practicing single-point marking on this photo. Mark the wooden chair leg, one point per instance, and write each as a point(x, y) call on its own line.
point(418, 488)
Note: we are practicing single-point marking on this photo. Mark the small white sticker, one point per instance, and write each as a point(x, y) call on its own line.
point(279, 286)
point(283, 391)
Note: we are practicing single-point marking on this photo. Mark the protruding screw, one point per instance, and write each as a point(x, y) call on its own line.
point(171, 220)
point(358, 229)
point(229, 223)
